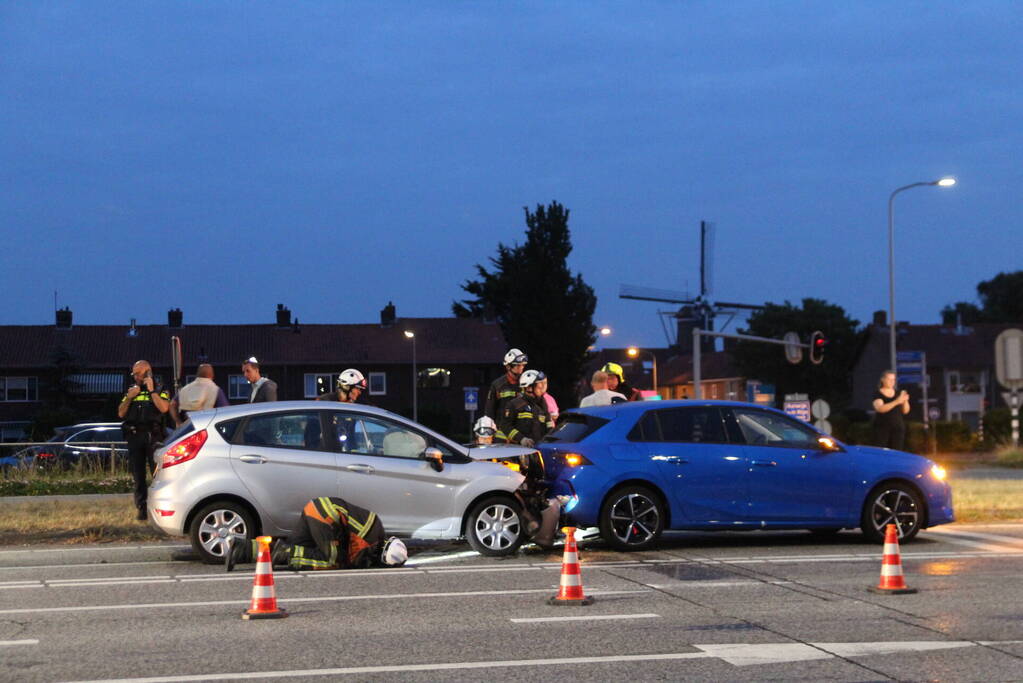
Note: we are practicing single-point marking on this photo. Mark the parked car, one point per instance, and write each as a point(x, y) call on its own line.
point(73, 444)
point(235, 472)
point(637, 469)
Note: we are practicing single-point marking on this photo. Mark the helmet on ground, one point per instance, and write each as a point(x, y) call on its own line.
point(395, 553)
point(530, 377)
point(614, 369)
point(351, 379)
point(485, 426)
point(514, 357)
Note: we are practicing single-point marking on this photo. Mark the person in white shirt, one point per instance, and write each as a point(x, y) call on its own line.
point(202, 393)
point(601, 395)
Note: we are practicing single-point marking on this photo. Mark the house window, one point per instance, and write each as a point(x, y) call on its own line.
point(238, 388)
point(319, 383)
point(434, 378)
point(19, 389)
point(96, 383)
point(377, 383)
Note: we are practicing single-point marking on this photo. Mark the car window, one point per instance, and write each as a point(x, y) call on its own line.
point(371, 435)
point(285, 430)
point(574, 427)
point(697, 424)
point(762, 428)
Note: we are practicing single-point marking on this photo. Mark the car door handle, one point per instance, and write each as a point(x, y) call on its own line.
point(362, 469)
point(675, 460)
point(253, 459)
point(764, 463)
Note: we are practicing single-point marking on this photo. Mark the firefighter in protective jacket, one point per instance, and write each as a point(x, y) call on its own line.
point(526, 419)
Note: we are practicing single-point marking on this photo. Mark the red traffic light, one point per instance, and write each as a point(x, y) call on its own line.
point(817, 343)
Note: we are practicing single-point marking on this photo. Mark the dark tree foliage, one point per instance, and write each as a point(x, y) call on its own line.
point(1001, 301)
point(58, 393)
point(541, 306)
point(831, 380)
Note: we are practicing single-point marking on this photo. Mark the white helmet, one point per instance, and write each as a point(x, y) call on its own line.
point(351, 378)
point(395, 553)
point(485, 426)
point(515, 356)
point(530, 377)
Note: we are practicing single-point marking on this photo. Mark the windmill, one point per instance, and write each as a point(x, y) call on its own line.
point(699, 311)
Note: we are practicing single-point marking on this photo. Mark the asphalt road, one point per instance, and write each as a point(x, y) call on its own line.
point(784, 606)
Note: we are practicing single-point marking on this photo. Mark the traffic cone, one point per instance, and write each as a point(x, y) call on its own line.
point(264, 598)
point(892, 582)
point(570, 591)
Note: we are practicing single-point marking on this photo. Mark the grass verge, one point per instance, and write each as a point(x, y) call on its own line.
point(73, 521)
point(988, 500)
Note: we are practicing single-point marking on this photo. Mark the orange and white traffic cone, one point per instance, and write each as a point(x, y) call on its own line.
point(264, 598)
point(892, 582)
point(570, 591)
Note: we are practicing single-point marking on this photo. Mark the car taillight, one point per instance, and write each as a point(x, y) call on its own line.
point(184, 450)
point(45, 455)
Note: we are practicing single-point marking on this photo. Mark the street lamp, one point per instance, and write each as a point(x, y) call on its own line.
point(941, 182)
point(409, 334)
point(633, 352)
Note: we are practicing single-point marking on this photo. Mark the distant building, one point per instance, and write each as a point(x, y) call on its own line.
point(304, 360)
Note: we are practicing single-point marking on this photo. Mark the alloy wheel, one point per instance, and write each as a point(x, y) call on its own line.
point(634, 519)
point(895, 506)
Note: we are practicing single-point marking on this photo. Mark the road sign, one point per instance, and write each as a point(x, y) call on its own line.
point(1009, 359)
point(793, 348)
point(910, 367)
point(1012, 399)
point(798, 409)
point(909, 356)
point(823, 425)
point(820, 409)
point(472, 398)
point(933, 412)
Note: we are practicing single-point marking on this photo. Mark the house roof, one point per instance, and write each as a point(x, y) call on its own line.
point(714, 365)
point(947, 346)
point(438, 340)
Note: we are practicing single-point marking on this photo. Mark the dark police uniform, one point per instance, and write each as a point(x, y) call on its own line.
point(143, 429)
point(525, 417)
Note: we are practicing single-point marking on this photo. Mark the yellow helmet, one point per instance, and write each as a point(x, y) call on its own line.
point(614, 369)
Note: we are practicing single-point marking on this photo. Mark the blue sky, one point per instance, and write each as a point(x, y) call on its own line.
point(225, 157)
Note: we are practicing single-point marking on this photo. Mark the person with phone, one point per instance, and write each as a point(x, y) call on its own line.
point(142, 408)
point(889, 407)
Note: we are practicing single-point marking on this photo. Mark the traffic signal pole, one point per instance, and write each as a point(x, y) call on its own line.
point(697, 333)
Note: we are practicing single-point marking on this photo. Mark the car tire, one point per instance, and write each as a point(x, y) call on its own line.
point(632, 518)
point(495, 526)
point(214, 523)
point(892, 502)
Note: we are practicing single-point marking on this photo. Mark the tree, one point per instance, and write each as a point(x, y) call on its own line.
point(831, 379)
point(1001, 301)
point(541, 306)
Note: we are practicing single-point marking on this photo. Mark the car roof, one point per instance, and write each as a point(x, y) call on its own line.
point(640, 406)
point(255, 408)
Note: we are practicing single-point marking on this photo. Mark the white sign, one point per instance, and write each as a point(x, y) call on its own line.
point(798, 409)
point(820, 409)
point(823, 425)
point(1009, 359)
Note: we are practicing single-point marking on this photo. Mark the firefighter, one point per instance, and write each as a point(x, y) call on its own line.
point(142, 408)
point(505, 388)
point(616, 382)
point(484, 431)
point(526, 419)
point(350, 385)
point(334, 534)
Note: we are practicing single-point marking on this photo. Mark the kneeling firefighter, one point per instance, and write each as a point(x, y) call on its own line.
point(334, 534)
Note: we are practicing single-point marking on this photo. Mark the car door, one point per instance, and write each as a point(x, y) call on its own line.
point(380, 467)
point(700, 470)
point(791, 477)
point(93, 445)
point(283, 461)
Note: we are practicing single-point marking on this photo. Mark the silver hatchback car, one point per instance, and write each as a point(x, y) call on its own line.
point(237, 472)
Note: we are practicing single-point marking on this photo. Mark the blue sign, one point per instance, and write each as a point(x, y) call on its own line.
point(472, 398)
point(798, 409)
point(911, 356)
point(910, 377)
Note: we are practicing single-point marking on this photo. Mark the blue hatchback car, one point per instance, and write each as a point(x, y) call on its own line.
point(636, 469)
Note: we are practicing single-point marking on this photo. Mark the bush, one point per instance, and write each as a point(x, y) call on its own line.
point(997, 428)
point(1009, 457)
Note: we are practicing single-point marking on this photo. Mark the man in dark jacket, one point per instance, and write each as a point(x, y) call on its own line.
point(504, 388)
point(142, 409)
point(526, 419)
point(263, 388)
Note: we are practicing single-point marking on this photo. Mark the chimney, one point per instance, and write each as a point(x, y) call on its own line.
point(175, 318)
point(133, 331)
point(283, 316)
point(880, 318)
point(64, 316)
point(387, 315)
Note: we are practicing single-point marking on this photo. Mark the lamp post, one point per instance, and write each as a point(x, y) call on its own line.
point(941, 182)
point(409, 334)
point(633, 352)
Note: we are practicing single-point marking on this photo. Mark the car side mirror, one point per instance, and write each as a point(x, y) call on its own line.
point(435, 458)
point(828, 445)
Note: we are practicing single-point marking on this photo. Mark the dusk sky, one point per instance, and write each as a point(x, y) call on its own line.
point(225, 157)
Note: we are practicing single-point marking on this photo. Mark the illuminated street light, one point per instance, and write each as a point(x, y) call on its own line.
point(941, 182)
point(409, 334)
point(605, 331)
point(633, 352)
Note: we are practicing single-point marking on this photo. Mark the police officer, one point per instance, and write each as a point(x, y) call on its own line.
point(526, 419)
point(350, 385)
point(505, 387)
point(142, 409)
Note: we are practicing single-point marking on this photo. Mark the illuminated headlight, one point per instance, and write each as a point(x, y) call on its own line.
point(938, 472)
point(575, 460)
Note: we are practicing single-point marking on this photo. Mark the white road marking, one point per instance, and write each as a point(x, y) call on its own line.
point(595, 617)
point(1012, 541)
point(8, 643)
point(93, 550)
point(737, 654)
point(324, 598)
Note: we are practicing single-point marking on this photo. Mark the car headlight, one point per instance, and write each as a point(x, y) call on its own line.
point(938, 472)
point(575, 460)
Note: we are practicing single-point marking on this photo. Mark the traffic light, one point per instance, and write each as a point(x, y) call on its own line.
point(817, 343)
